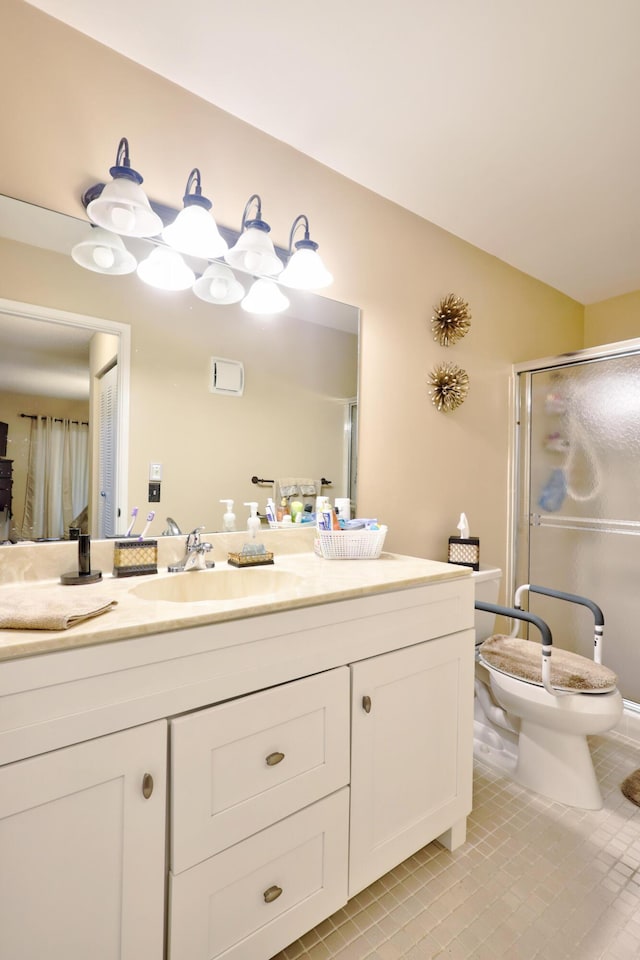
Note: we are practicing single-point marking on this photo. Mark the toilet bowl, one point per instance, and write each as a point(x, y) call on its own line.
point(553, 756)
point(538, 739)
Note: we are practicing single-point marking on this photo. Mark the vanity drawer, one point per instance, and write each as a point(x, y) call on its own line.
point(250, 901)
point(242, 765)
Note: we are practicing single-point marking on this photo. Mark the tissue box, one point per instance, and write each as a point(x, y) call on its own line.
point(135, 558)
point(465, 551)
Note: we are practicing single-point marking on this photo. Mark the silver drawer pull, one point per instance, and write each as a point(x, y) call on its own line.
point(274, 758)
point(366, 704)
point(147, 786)
point(272, 894)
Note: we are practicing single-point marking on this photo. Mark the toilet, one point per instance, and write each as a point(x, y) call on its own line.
point(538, 739)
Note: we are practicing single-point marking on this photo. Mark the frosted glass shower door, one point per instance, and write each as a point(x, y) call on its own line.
point(580, 491)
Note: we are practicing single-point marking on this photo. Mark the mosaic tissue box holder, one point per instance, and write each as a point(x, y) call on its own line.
point(465, 551)
point(135, 558)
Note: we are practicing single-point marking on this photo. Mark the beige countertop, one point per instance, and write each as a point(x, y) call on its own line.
point(312, 580)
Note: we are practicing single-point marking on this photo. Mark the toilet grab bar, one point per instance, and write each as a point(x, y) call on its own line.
point(598, 616)
point(516, 613)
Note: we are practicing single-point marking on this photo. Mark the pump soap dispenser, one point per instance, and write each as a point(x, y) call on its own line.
point(253, 523)
point(229, 518)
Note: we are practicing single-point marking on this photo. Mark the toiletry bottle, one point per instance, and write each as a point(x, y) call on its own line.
point(297, 507)
point(270, 510)
point(253, 523)
point(321, 506)
point(229, 519)
point(283, 510)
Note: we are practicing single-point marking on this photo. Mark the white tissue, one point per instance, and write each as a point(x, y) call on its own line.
point(463, 527)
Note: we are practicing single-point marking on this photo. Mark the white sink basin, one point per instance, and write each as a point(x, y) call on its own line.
point(202, 585)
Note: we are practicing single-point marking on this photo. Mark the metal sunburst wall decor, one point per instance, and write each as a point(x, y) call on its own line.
point(449, 386)
point(451, 320)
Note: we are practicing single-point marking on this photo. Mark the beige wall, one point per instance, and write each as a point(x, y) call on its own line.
point(71, 100)
point(612, 320)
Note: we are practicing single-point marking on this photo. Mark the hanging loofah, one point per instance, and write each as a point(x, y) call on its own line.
point(451, 320)
point(450, 385)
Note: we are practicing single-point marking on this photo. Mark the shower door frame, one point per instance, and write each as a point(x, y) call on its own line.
point(520, 456)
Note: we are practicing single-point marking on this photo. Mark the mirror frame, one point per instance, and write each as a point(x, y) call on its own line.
point(16, 308)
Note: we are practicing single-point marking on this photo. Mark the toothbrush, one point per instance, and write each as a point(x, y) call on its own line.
point(150, 517)
point(134, 514)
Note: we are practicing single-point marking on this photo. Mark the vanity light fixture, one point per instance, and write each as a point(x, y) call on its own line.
point(194, 231)
point(254, 251)
point(122, 206)
point(218, 285)
point(265, 297)
point(104, 252)
point(166, 270)
point(305, 269)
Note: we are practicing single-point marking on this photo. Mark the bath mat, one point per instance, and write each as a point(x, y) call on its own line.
point(631, 787)
point(569, 671)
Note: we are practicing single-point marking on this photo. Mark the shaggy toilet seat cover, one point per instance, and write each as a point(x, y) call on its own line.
point(569, 671)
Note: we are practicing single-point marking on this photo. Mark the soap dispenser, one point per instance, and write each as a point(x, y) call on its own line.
point(253, 523)
point(229, 518)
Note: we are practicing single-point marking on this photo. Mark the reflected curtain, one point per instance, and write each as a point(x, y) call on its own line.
point(57, 477)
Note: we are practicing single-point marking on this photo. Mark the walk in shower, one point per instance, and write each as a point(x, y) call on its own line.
point(577, 510)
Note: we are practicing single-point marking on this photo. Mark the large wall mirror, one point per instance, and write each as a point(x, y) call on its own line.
point(135, 364)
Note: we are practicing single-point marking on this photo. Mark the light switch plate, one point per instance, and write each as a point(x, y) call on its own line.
point(155, 472)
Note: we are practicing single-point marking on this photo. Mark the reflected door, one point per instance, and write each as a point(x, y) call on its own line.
point(107, 452)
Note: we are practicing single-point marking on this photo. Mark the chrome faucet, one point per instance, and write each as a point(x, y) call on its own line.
point(195, 556)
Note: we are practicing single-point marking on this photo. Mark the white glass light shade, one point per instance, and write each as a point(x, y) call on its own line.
point(166, 270)
point(265, 296)
point(103, 252)
point(254, 253)
point(123, 208)
point(218, 285)
point(306, 271)
point(194, 232)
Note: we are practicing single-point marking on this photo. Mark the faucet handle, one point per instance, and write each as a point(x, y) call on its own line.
point(193, 540)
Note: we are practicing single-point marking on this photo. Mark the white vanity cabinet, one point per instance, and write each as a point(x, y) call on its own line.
point(82, 850)
point(311, 750)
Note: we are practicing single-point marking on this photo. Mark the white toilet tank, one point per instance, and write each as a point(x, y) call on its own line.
point(487, 584)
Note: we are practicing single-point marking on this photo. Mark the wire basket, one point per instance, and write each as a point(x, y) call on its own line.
point(350, 544)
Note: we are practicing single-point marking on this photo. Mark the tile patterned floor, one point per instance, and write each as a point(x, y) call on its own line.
point(535, 881)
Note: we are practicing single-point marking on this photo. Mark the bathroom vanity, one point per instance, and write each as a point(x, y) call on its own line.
point(214, 778)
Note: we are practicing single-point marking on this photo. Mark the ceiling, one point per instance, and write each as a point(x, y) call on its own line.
point(510, 124)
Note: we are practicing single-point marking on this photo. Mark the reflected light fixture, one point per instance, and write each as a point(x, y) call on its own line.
point(218, 284)
point(104, 252)
point(265, 297)
point(254, 251)
point(305, 269)
point(194, 231)
point(123, 207)
point(166, 270)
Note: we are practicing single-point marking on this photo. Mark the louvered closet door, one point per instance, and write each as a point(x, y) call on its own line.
point(107, 466)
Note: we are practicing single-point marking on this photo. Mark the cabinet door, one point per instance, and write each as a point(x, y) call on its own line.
point(82, 850)
point(412, 752)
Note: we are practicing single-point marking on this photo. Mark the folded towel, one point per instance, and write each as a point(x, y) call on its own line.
point(48, 609)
